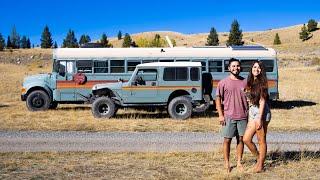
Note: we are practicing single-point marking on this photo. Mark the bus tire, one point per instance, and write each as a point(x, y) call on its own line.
point(38, 101)
point(103, 107)
point(180, 108)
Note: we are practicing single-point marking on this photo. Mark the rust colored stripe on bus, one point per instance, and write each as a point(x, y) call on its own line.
point(87, 85)
point(160, 87)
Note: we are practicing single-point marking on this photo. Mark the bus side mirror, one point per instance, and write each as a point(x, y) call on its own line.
point(62, 71)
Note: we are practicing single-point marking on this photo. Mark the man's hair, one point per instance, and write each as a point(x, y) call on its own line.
point(233, 60)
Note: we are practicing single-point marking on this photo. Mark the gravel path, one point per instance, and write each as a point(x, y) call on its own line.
point(29, 141)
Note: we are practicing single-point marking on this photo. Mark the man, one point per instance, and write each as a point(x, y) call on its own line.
point(232, 107)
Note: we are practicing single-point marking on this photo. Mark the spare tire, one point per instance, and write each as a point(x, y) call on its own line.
point(207, 83)
point(80, 78)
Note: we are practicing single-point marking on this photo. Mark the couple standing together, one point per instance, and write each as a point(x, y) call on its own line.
point(244, 112)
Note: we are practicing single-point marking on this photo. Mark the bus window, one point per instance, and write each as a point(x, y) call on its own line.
point(194, 74)
point(84, 66)
point(131, 65)
point(100, 67)
point(215, 66)
point(182, 60)
point(149, 60)
point(175, 74)
point(166, 60)
point(117, 66)
point(203, 64)
point(246, 64)
point(226, 64)
point(268, 64)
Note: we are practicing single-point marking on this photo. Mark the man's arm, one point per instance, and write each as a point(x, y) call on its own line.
point(220, 110)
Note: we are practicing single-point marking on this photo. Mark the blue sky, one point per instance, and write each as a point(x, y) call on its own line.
point(95, 17)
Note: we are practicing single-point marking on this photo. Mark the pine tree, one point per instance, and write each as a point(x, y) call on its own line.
point(119, 35)
point(23, 42)
point(84, 39)
point(70, 41)
point(2, 42)
point(55, 45)
point(312, 25)
point(156, 41)
point(15, 38)
point(235, 35)
point(304, 34)
point(46, 39)
point(9, 44)
point(104, 41)
point(276, 40)
point(126, 40)
point(212, 39)
point(28, 43)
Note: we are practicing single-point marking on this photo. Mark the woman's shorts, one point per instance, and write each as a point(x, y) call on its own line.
point(254, 113)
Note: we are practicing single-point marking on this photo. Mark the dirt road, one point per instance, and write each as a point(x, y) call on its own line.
point(142, 142)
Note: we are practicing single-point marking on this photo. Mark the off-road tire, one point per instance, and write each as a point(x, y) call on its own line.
point(103, 107)
point(38, 101)
point(180, 108)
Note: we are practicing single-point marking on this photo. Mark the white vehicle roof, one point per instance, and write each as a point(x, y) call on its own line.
point(178, 52)
point(171, 64)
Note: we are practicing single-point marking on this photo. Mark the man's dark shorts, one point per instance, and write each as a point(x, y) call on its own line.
point(234, 128)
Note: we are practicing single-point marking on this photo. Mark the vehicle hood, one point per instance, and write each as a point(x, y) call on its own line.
point(111, 86)
point(37, 78)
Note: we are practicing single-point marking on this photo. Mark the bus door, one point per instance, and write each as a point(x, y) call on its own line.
point(144, 87)
point(65, 89)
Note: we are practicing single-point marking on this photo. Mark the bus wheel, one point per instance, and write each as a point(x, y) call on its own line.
point(103, 107)
point(38, 101)
point(180, 108)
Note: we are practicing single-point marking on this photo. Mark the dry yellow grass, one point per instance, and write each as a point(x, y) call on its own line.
point(84, 165)
point(298, 88)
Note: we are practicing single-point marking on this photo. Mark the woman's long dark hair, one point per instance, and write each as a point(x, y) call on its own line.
point(257, 87)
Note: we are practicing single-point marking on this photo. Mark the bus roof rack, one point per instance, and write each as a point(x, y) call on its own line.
point(258, 48)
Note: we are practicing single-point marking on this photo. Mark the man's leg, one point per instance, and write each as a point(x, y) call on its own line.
point(239, 152)
point(226, 153)
point(241, 128)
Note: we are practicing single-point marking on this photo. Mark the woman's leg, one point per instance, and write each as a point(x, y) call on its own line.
point(261, 136)
point(248, 136)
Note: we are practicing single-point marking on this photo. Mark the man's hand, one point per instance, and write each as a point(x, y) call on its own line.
point(222, 120)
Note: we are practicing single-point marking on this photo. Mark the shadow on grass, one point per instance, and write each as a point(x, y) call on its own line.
point(143, 113)
point(276, 158)
point(3, 105)
point(291, 104)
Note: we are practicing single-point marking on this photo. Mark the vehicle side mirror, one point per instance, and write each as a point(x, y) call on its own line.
point(62, 71)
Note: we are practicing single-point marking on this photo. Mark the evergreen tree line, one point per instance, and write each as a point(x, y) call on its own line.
point(14, 41)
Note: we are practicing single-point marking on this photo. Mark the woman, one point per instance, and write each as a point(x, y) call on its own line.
point(259, 112)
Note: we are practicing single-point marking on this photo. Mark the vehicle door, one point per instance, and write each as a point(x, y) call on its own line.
point(144, 87)
point(65, 86)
